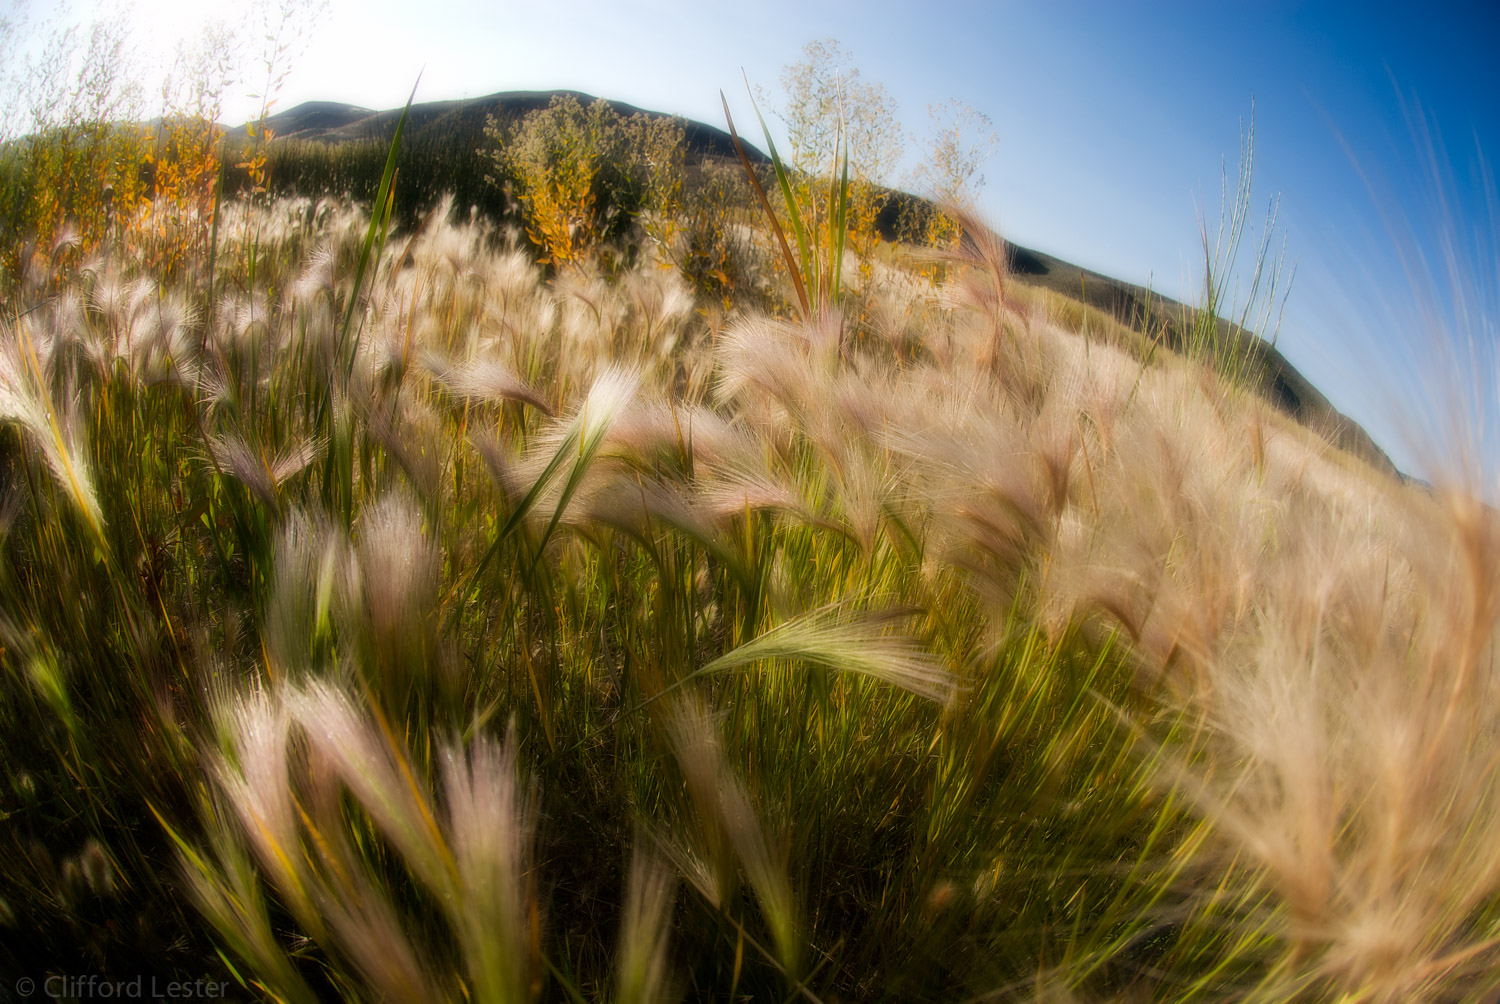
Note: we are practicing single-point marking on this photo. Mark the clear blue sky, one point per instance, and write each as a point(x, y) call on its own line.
point(1114, 121)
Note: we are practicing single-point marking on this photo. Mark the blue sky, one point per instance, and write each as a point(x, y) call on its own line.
point(1115, 120)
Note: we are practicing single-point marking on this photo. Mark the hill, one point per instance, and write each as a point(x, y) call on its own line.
point(455, 130)
point(331, 122)
point(1281, 382)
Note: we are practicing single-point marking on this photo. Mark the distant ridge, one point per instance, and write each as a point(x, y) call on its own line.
point(1284, 386)
point(462, 123)
point(312, 118)
point(332, 122)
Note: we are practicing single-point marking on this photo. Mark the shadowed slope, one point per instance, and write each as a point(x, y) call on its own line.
point(331, 122)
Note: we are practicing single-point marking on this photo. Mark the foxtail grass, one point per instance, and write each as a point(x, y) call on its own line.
point(563, 635)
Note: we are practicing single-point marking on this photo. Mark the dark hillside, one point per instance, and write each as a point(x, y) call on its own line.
point(328, 148)
point(1141, 308)
point(330, 122)
point(1282, 384)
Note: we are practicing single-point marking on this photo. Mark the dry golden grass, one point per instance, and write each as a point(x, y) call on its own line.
point(962, 644)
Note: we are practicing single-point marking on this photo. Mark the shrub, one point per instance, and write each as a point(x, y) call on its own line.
point(78, 172)
point(585, 174)
point(717, 249)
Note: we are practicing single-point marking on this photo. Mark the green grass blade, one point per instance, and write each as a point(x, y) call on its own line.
point(517, 515)
point(213, 249)
point(839, 223)
point(794, 215)
point(583, 441)
point(379, 213)
point(760, 193)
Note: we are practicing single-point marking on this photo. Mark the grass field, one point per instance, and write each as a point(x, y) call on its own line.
point(386, 615)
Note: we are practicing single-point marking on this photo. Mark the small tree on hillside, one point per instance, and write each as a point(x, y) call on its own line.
point(825, 89)
point(959, 140)
point(185, 160)
point(828, 102)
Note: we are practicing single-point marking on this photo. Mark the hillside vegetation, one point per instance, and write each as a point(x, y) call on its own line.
point(327, 149)
point(492, 609)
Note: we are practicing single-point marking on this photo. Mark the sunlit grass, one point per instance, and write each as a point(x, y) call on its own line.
point(388, 617)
